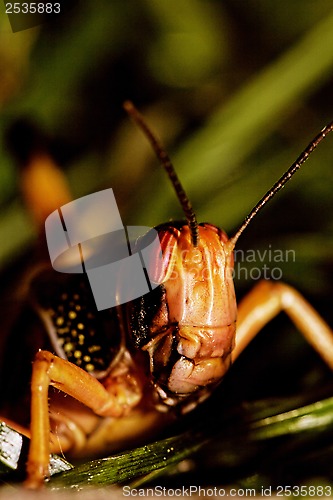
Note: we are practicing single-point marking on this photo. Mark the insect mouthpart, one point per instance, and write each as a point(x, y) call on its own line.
point(187, 324)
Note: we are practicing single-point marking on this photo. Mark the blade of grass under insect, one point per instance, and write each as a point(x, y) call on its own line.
point(142, 462)
point(318, 415)
point(126, 466)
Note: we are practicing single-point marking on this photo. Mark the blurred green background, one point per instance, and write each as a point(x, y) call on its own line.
point(234, 89)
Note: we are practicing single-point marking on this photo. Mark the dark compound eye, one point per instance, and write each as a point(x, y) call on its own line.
point(78, 332)
point(141, 313)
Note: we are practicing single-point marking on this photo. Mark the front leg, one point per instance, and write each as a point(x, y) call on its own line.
point(49, 369)
point(265, 301)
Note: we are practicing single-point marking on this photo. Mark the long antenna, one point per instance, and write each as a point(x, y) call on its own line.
point(163, 156)
point(283, 180)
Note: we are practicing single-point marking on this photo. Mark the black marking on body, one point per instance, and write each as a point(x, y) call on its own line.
point(86, 337)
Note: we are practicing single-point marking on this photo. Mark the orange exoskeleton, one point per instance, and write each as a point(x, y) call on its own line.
point(131, 368)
